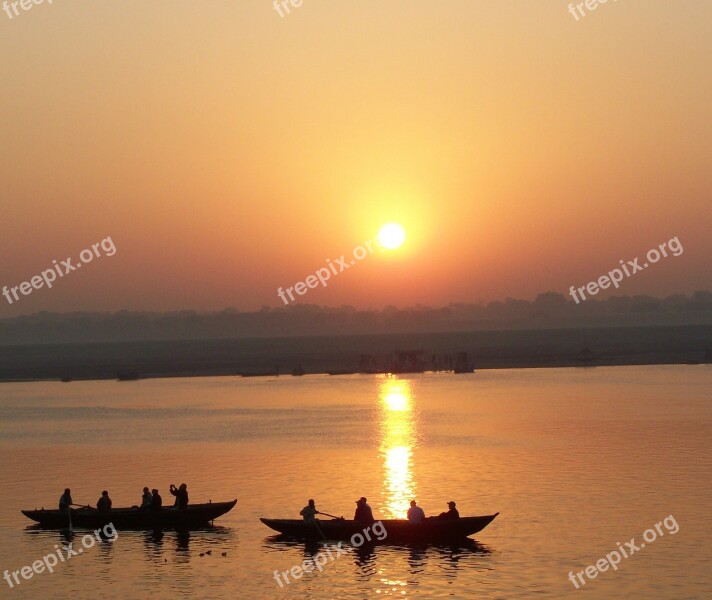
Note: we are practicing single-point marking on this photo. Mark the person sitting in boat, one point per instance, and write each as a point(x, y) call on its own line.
point(309, 512)
point(181, 495)
point(416, 514)
point(104, 503)
point(156, 500)
point(452, 513)
point(65, 500)
point(146, 499)
point(363, 514)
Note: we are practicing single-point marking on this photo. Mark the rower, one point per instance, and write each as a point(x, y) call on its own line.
point(452, 513)
point(156, 500)
point(363, 514)
point(416, 514)
point(181, 495)
point(104, 503)
point(309, 512)
point(65, 500)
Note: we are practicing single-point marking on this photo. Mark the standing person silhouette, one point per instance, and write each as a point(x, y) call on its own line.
point(181, 495)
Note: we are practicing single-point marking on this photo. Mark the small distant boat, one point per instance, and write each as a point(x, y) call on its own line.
point(265, 374)
point(397, 530)
point(127, 376)
point(194, 516)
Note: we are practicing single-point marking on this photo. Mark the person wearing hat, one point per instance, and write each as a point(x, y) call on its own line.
point(364, 514)
point(450, 514)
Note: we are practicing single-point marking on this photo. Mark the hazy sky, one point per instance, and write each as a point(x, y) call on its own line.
point(229, 151)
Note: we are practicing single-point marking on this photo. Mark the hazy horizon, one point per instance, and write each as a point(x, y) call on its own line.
point(698, 295)
point(547, 312)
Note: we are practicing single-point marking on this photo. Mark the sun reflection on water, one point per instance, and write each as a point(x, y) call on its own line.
point(397, 442)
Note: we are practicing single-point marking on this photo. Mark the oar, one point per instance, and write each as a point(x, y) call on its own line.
point(319, 529)
point(69, 512)
point(332, 516)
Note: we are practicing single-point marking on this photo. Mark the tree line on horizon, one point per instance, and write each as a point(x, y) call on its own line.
point(547, 311)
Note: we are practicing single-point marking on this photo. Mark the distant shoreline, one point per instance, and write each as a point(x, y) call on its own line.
point(368, 354)
point(325, 374)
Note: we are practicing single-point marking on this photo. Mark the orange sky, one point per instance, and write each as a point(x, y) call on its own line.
point(228, 151)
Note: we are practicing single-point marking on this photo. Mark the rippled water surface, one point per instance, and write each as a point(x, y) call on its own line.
point(574, 460)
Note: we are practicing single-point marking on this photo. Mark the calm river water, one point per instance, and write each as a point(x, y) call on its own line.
point(574, 460)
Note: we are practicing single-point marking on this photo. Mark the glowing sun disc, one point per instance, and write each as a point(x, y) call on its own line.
point(391, 236)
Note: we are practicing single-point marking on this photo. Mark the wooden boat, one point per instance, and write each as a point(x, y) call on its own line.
point(194, 516)
point(397, 530)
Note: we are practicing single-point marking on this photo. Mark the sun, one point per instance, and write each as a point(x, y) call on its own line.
point(391, 236)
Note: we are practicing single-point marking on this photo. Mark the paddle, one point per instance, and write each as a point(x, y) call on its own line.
point(316, 522)
point(319, 529)
point(69, 516)
point(332, 516)
point(69, 513)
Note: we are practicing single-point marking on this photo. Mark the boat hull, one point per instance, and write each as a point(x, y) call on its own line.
point(195, 516)
point(397, 530)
